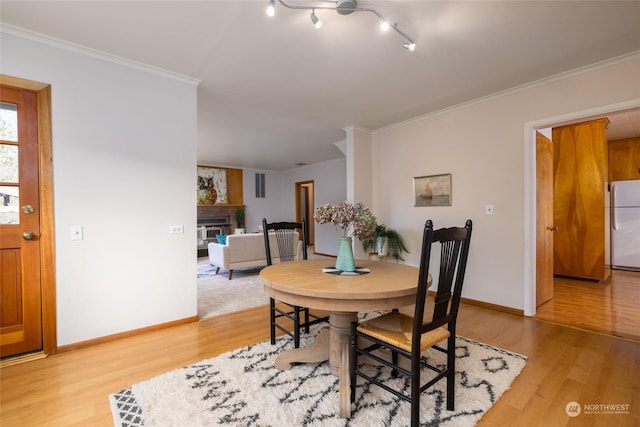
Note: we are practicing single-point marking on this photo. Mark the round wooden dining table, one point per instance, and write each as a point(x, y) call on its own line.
point(304, 283)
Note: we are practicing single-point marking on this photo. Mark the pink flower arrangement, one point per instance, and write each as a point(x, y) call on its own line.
point(350, 220)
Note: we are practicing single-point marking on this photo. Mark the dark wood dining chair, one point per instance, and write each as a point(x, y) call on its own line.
point(284, 237)
point(408, 336)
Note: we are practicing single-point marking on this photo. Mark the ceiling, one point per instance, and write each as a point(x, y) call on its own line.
point(276, 92)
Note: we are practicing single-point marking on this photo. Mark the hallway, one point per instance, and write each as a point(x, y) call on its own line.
point(610, 307)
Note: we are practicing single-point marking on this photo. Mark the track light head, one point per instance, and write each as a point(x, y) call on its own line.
point(411, 46)
point(314, 19)
point(271, 8)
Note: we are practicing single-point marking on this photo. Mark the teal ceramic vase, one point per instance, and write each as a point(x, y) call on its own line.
point(345, 260)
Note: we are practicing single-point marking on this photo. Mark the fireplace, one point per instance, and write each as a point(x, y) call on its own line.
point(214, 220)
point(208, 227)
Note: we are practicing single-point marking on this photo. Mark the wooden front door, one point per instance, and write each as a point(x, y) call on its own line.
point(579, 176)
point(544, 219)
point(20, 270)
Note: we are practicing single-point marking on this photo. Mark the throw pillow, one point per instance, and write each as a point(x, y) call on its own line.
point(221, 239)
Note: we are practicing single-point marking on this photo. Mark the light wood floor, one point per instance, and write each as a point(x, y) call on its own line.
point(610, 307)
point(565, 364)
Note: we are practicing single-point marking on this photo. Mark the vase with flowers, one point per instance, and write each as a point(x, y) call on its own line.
point(350, 220)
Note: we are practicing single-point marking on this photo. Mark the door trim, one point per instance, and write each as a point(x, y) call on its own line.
point(311, 240)
point(47, 240)
point(530, 128)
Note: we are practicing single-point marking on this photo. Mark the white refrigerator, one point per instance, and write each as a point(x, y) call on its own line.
point(625, 225)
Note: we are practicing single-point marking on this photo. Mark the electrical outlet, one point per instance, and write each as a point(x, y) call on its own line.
point(488, 210)
point(176, 229)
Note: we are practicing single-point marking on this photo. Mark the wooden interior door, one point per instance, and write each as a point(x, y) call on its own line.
point(544, 219)
point(579, 175)
point(20, 272)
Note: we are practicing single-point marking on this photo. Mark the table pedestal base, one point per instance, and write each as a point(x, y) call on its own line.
point(316, 352)
point(331, 344)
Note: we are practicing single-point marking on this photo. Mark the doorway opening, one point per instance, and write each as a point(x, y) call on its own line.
point(305, 207)
point(531, 187)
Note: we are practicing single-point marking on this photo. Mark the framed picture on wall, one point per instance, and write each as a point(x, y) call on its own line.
point(212, 186)
point(432, 190)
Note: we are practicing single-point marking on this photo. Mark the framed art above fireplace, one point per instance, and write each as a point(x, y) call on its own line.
point(212, 186)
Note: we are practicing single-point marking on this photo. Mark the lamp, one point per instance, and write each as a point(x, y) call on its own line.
point(314, 19)
point(343, 7)
point(271, 9)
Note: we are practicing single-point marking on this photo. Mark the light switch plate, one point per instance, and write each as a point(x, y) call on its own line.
point(77, 232)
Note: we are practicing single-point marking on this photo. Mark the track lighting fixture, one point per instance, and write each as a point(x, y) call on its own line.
point(271, 9)
point(343, 7)
point(314, 19)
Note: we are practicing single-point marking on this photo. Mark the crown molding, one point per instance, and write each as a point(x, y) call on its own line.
point(546, 80)
point(83, 50)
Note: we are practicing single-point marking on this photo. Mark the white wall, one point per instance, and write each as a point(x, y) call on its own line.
point(329, 187)
point(124, 156)
point(270, 206)
point(482, 144)
point(279, 204)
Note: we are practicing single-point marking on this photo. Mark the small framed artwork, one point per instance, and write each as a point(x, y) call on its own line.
point(212, 186)
point(432, 190)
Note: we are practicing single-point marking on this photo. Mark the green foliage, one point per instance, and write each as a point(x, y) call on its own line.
point(395, 242)
point(238, 215)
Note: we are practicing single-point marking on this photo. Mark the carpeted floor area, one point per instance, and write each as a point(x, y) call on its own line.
point(218, 295)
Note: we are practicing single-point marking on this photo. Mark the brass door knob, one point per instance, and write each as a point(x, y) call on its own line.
point(28, 235)
point(28, 209)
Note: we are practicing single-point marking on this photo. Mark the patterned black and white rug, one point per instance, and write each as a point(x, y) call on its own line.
point(243, 388)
